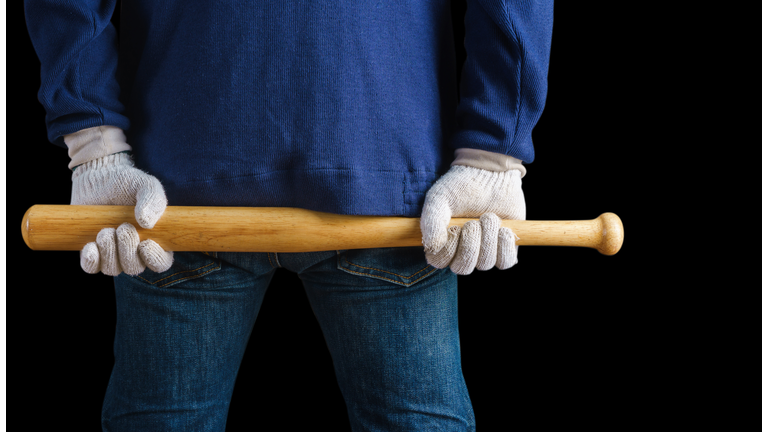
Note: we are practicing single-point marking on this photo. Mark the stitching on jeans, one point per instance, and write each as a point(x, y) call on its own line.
point(185, 271)
point(270, 260)
point(183, 279)
point(371, 268)
point(396, 281)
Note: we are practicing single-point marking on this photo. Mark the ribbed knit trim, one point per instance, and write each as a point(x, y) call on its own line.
point(487, 160)
point(122, 158)
point(94, 143)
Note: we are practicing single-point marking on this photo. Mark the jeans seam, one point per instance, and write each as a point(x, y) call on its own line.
point(384, 271)
point(392, 280)
point(277, 263)
point(185, 271)
point(188, 277)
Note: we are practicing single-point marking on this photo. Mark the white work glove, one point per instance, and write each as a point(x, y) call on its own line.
point(113, 180)
point(491, 189)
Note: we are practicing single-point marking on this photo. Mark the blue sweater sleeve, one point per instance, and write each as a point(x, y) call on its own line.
point(504, 78)
point(77, 47)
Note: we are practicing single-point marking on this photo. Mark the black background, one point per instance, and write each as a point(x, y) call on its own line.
point(566, 337)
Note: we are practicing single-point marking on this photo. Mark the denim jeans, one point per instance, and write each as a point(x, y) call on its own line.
point(389, 320)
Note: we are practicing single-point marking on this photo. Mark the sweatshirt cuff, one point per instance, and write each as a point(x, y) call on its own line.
point(94, 143)
point(487, 160)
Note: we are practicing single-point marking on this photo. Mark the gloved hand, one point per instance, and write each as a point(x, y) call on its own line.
point(478, 184)
point(113, 180)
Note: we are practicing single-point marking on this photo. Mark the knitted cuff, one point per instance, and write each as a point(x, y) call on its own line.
point(94, 143)
point(487, 160)
point(113, 160)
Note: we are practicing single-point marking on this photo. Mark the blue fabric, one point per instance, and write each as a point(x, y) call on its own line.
point(347, 107)
point(389, 319)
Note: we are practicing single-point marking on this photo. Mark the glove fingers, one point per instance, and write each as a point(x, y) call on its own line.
point(435, 217)
point(443, 257)
point(468, 250)
point(150, 202)
point(107, 246)
point(157, 259)
point(127, 249)
point(507, 250)
point(489, 224)
point(89, 258)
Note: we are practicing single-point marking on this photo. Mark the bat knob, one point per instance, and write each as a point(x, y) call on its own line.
point(612, 234)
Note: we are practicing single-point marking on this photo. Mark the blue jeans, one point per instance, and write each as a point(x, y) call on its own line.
point(389, 320)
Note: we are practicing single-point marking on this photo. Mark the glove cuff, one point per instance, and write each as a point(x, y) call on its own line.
point(106, 162)
point(487, 160)
point(94, 143)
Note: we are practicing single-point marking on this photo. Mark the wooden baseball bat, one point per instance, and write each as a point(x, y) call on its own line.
point(281, 229)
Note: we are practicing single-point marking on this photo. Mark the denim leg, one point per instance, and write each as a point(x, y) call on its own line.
point(180, 336)
point(391, 324)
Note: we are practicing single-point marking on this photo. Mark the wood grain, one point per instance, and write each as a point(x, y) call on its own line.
point(281, 229)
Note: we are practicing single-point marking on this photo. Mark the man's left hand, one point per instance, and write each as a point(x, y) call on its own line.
point(466, 191)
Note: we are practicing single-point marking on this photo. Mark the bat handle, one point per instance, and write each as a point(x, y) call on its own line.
point(604, 233)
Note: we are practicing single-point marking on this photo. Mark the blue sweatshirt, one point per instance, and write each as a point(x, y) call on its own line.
point(348, 107)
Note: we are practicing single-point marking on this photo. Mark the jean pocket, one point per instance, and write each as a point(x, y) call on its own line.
point(186, 266)
point(400, 265)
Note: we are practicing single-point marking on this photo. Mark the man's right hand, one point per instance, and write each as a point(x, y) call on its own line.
point(114, 180)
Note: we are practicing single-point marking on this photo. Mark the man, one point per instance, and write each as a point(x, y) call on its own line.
point(346, 108)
